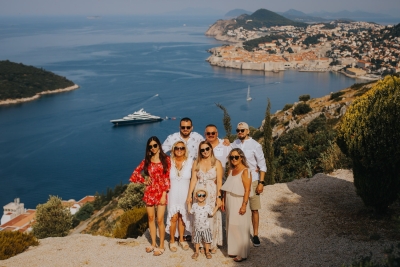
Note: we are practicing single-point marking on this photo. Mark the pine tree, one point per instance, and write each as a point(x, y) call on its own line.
point(227, 123)
point(267, 146)
point(52, 219)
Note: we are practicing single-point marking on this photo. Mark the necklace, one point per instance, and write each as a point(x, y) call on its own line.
point(178, 170)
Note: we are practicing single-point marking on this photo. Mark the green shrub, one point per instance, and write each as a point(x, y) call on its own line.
point(336, 95)
point(274, 121)
point(304, 98)
point(369, 134)
point(52, 219)
point(13, 243)
point(132, 197)
point(301, 108)
point(132, 223)
point(317, 124)
point(85, 212)
point(287, 106)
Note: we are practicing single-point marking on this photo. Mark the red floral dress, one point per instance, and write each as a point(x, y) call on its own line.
point(159, 181)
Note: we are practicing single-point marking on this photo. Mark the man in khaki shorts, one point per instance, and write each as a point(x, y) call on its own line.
point(255, 158)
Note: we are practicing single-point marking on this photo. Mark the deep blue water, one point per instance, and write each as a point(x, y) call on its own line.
point(65, 145)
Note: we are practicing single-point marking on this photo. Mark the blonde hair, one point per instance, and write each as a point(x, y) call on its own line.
point(200, 156)
point(173, 149)
point(241, 154)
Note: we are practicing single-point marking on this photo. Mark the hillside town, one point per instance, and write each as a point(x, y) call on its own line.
point(357, 49)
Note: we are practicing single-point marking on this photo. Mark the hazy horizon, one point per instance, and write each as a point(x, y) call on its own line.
point(154, 7)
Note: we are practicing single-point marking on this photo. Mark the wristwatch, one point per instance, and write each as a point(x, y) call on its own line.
point(262, 182)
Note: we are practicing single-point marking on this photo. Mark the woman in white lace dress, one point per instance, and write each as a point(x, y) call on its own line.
point(207, 172)
point(180, 173)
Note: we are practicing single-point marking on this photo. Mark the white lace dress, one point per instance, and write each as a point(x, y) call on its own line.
point(177, 195)
point(209, 181)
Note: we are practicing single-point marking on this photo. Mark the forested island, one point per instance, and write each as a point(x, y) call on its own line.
point(20, 83)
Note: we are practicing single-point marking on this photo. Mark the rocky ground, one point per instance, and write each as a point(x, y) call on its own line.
point(308, 222)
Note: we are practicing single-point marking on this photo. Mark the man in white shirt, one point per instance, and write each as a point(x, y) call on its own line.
point(256, 161)
point(221, 151)
point(185, 134)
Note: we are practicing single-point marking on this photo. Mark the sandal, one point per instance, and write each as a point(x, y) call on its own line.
point(150, 249)
point(195, 255)
point(184, 245)
point(158, 251)
point(173, 247)
point(208, 255)
point(239, 259)
point(213, 250)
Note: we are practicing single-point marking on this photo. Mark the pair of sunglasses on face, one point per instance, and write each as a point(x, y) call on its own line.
point(240, 130)
point(182, 148)
point(186, 127)
point(234, 157)
point(153, 146)
point(205, 149)
point(201, 195)
point(210, 133)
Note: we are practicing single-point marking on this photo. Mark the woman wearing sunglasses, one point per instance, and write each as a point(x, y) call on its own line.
point(207, 173)
point(181, 171)
point(236, 203)
point(153, 171)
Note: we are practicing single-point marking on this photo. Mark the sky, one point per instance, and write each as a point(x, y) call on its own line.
point(142, 7)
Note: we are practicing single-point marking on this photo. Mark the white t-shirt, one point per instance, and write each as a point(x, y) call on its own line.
point(192, 143)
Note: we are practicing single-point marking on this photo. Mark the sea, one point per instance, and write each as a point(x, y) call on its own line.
point(65, 145)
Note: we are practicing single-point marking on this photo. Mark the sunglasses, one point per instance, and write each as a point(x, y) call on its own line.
point(205, 149)
point(210, 133)
point(240, 130)
point(201, 195)
point(186, 127)
point(179, 148)
point(153, 146)
point(234, 157)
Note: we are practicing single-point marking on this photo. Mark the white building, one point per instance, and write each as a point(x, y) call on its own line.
point(12, 210)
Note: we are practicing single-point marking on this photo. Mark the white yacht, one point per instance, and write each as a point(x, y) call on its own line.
point(137, 117)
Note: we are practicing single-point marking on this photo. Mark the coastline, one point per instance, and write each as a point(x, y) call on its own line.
point(26, 99)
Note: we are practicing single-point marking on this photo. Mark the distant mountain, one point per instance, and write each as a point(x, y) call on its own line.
point(299, 16)
point(265, 18)
point(237, 12)
point(354, 15)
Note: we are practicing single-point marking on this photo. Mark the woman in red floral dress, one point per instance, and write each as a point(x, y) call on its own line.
point(153, 171)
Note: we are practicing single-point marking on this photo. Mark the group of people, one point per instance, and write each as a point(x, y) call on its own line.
point(189, 183)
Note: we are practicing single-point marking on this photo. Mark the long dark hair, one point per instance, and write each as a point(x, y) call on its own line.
point(147, 157)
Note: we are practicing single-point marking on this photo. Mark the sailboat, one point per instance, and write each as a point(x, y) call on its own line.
point(248, 94)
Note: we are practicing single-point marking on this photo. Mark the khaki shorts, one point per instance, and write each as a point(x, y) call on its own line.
point(255, 203)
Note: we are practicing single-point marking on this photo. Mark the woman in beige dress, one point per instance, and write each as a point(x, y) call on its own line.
point(236, 202)
point(207, 173)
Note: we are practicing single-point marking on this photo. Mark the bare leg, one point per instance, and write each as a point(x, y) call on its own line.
point(207, 247)
point(181, 227)
point(161, 225)
point(197, 246)
point(255, 219)
point(172, 228)
point(152, 224)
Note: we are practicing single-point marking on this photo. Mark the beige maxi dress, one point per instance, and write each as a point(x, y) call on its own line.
point(237, 226)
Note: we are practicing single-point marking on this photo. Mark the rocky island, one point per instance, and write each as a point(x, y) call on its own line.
point(266, 41)
point(21, 83)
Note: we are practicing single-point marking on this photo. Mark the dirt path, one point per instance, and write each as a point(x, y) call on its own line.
point(308, 222)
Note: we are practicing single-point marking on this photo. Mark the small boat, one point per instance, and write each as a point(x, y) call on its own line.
point(138, 117)
point(248, 94)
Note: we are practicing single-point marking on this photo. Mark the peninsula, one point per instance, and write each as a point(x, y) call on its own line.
point(266, 41)
point(21, 83)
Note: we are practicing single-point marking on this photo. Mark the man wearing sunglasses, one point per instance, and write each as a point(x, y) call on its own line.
point(185, 134)
point(255, 158)
point(221, 147)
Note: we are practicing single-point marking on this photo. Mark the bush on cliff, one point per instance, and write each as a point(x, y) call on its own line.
point(52, 219)
point(132, 197)
point(301, 108)
point(13, 243)
point(304, 98)
point(85, 212)
point(369, 134)
point(132, 223)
